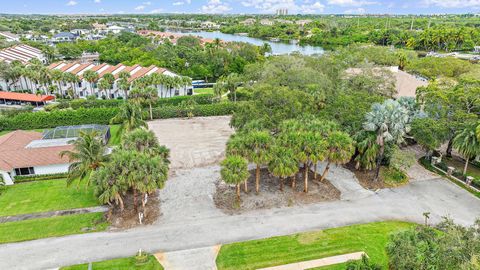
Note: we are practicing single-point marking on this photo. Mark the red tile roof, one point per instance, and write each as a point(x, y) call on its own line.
point(25, 97)
point(15, 155)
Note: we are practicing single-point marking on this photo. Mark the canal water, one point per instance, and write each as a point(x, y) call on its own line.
point(277, 47)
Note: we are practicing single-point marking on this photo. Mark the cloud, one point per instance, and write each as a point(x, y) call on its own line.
point(147, 3)
point(72, 3)
point(180, 3)
point(452, 3)
point(140, 8)
point(158, 10)
point(97, 1)
point(270, 6)
point(216, 7)
point(355, 11)
point(351, 3)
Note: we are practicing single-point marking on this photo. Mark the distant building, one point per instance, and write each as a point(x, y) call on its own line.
point(89, 57)
point(64, 37)
point(209, 25)
point(115, 29)
point(249, 21)
point(267, 22)
point(10, 37)
point(22, 53)
point(303, 22)
point(80, 32)
point(282, 11)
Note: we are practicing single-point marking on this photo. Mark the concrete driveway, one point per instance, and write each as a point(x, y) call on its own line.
point(438, 196)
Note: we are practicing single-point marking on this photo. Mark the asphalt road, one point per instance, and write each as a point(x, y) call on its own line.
point(438, 196)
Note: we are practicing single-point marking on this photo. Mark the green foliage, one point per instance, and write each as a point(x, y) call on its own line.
point(429, 133)
point(39, 177)
point(448, 246)
point(363, 264)
point(224, 108)
point(401, 160)
point(434, 67)
point(120, 264)
point(234, 169)
point(393, 177)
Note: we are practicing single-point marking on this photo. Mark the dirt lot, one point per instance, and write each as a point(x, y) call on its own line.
point(195, 142)
point(270, 195)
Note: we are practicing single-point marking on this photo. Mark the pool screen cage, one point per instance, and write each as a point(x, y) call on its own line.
point(64, 132)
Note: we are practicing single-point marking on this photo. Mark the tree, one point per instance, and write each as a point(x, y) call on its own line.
point(91, 77)
point(429, 133)
point(145, 141)
point(108, 77)
point(229, 84)
point(148, 95)
point(87, 156)
point(123, 82)
point(130, 117)
point(367, 150)
point(363, 264)
point(389, 121)
point(234, 171)
point(283, 162)
point(467, 144)
point(104, 85)
point(340, 150)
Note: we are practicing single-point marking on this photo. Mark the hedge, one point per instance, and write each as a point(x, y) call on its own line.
point(39, 177)
point(39, 120)
point(112, 103)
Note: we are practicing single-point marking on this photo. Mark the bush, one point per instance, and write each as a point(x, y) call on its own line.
point(40, 177)
point(39, 120)
point(393, 177)
point(198, 99)
point(243, 94)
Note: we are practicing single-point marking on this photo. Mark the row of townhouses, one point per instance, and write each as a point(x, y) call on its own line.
point(83, 88)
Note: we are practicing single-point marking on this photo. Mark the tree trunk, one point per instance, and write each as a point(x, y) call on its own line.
point(379, 162)
point(281, 183)
point(120, 201)
point(466, 166)
point(294, 181)
point(238, 192)
point(257, 179)
point(325, 172)
point(144, 203)
point(305, 177)
point(135, 201)
point(246, 186)
point(449, 148)
point(315, 171)
point(151, 112)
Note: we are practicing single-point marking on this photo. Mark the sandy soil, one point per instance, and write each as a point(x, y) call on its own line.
point(194, 142)
point(129, 218)
point(270, 195)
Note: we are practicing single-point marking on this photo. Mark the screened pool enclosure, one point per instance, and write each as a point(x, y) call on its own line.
point(66, 132)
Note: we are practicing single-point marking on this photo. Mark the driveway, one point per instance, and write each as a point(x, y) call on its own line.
point(438, 196)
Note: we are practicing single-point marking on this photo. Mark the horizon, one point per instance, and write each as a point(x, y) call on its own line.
point(245, 7)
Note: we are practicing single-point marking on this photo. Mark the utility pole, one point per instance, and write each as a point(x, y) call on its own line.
point(411, 25)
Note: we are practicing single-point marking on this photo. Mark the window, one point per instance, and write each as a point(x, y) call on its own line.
point(24, 171)
point(177, 92)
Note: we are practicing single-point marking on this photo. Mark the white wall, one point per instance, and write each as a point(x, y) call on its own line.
point(6, 178)
point(51, 169)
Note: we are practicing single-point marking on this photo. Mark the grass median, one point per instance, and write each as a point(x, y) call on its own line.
point(119, 264)
point(51, 227)
point(370, 238)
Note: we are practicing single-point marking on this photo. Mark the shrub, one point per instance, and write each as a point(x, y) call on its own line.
point(197, 110)
point(40, 177)
point(393, 177)
point(198, 99)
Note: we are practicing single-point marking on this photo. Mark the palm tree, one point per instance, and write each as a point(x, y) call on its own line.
point(283, 162)
point(340, 149)
point(91, 77)
point(145, 141)
point(57, 77)
point(108, 77)
point(130, 116)
point(467, 143)
point(230, 84)
point(147, 95)
point(234, 171)
point(123, 82)
point(104, 85)
point(367, 150)
point(258, 144)
point(88, 155)
point(390, 121)
point(478, 131)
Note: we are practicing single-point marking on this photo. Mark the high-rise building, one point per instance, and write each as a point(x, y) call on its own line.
point(282, 11)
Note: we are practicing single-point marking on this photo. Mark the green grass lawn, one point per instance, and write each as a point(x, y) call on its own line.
point(199, 91)
point(455, 162)
point(50, 227)
point(370, 238)
point(42, 196)
point(119, 264)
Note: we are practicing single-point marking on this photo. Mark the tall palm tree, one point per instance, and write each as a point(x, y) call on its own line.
point(91, 77)
point(390, 121)
point(130, 117)
point(87, 156)
point(108, 77)
point(57, 77)
point(340, 149)
point(234, 171)
point(145, 141)
point(104, 86)
point(467, 143)
point(148, 95)
point(123, 82)
point(283, 162)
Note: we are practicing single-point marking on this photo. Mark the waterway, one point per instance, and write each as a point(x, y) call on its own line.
point(277, 47)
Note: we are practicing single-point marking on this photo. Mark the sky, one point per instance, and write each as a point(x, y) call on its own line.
point(239, 6)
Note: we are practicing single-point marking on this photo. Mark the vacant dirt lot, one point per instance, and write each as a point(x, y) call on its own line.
point(195, 142)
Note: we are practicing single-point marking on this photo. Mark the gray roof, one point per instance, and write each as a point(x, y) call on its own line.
point(65, 35)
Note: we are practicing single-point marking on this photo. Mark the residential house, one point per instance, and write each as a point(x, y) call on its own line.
point(209, 25)
point(64, 37)
point(249, 21)
point(267, 22)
